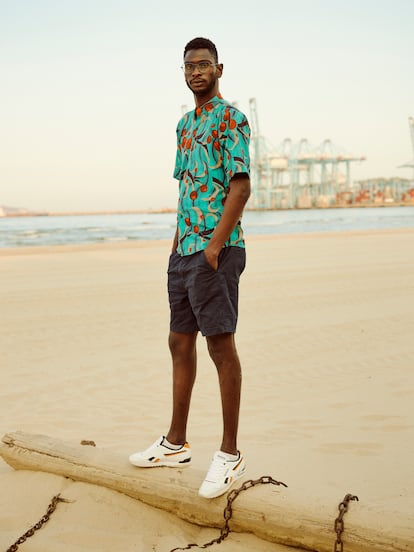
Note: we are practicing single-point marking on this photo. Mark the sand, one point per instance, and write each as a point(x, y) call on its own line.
point(326, 341)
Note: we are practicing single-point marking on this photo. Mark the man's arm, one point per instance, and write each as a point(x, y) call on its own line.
point(237, 197)
point(175, 242)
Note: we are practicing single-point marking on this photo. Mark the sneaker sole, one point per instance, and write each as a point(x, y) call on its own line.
point(148, 464)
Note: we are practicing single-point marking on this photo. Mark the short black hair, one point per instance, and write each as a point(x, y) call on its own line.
point(202, 43)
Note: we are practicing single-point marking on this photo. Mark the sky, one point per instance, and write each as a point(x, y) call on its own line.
point(91, 90)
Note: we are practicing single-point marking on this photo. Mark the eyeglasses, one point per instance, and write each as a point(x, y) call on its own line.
point(202, 67)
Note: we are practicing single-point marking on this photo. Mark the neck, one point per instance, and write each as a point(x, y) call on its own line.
point(202, 99)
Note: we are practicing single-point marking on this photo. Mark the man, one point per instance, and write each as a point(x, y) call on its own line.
point(208, 256)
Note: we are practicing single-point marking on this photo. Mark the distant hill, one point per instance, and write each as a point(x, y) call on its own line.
point(6, 211)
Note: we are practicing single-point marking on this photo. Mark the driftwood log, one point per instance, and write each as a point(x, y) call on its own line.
point(273, 513)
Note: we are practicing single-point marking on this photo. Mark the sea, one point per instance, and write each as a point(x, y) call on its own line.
point(88, 229)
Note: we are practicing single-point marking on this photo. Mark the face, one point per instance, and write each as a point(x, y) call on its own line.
point(203, 84)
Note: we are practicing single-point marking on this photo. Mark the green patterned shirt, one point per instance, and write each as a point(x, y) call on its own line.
point(212, 147)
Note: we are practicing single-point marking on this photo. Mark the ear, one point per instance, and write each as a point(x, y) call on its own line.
point(219, 69)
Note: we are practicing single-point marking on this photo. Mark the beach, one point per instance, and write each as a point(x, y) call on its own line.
point(325, 337)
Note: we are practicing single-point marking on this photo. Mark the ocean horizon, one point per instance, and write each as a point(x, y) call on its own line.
point(65, 229)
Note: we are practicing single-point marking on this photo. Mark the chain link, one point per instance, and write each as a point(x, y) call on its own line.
point(339, 522)
point(30, 532)
point(228, 510)
point(227, 514)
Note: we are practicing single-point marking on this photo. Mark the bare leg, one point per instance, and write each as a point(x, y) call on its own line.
point(222, 349)
point(184, 360)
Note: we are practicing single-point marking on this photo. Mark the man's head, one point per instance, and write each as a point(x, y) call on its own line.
point(201, 68)
point(202, 44)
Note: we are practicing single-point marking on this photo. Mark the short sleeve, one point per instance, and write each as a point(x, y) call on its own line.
point(178, 157)
point(235, 132)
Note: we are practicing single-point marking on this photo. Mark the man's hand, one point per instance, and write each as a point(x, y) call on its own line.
point(211, 257)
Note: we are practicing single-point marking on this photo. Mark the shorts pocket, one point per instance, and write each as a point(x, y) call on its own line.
point(206, 263)
point(172, 260)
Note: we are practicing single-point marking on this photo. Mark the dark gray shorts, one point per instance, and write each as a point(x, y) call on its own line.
point(202, 298)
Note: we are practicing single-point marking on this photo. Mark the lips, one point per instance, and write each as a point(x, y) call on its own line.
point(197, 81)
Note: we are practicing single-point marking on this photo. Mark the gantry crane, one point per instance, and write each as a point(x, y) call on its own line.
point(294, 175)
point(260, 168)
point(410, 164)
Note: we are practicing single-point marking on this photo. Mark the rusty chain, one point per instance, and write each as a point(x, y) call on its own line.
point(228, 513)
point(339, 522)
point(30, 532)
point(228, 510)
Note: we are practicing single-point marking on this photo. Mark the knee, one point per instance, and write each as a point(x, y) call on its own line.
point(181, 344)
point(221, 349)
point(216, 354)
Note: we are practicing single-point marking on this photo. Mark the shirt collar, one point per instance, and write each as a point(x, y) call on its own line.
point(208, 106)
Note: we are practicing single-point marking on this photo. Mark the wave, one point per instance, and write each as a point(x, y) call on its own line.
point(33, 231)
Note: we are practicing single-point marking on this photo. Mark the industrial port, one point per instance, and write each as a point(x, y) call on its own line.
point(300, 175)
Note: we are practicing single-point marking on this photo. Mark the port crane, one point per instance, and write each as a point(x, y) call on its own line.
point(296, 174)
point(411, 125)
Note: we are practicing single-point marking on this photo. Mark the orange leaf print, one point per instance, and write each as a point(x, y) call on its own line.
point(216, 145)
point(196, 229)
point(222, 127)
point(232, 124)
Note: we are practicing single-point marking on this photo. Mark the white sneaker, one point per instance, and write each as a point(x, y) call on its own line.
point(158, 455)
point(221, 475)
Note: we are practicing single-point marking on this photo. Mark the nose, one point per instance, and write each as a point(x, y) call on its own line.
point(196, 70)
